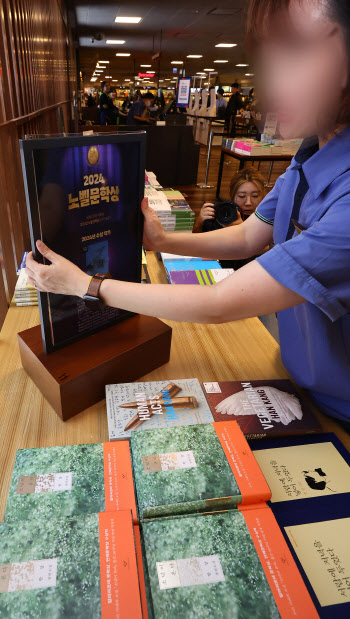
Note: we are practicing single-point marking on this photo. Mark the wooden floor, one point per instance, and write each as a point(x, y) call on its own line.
point(196, 196)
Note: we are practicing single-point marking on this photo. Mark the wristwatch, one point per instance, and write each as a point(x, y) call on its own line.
point(91, 298)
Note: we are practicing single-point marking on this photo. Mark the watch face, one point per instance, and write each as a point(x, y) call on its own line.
point(93, 303)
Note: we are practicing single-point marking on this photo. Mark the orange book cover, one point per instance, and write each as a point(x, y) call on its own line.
point(120, 587)
point(251, 481)
point(119, 483)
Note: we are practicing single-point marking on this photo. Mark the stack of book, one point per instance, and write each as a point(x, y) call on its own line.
point(183, 521)
point(207, 270)
point(172, 209)
point(25, 293)
point(267, 146)
point(151, 180)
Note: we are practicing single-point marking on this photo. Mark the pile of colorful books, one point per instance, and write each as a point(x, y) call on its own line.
point(264, 148)
point(25, 293)
point(171, 207)
point(192, 270)
point(182, 518)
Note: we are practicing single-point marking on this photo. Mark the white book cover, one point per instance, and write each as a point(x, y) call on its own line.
point(155, 404)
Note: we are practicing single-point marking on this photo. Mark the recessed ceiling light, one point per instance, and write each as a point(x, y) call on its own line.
point(93, 79)
point(242, 65)
point(103, 61)
point(114, 42)
point(127, 80)
point(220, 60)
point(208, 69)
point(108, 76)
point(200, 73)
point(128, 20)
point(98, 71)
point(123, 54)
point(194, 56)
point(167, 79)
point(177, 62)
point(149, 71)
point(249, 74)
point(114, 80)
point(145, 65)
point(226, 45)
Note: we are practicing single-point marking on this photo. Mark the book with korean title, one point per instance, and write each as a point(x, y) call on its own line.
point(194, 468)
point(71, 480)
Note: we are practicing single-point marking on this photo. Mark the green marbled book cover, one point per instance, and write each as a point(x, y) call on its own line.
point(57, 481)
point(50, 568)
point(181, 470)
point(206, 566)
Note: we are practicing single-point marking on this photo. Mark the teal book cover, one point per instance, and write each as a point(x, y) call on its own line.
point(62, 567)
point(189, 469)
point(229, 565)
point(71, 480)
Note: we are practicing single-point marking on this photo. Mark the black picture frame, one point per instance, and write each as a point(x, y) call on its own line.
point(28, 149)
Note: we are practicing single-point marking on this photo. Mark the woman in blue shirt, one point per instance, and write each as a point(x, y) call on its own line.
point(304, 61)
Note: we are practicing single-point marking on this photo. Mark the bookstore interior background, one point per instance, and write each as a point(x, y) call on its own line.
point(174, 309)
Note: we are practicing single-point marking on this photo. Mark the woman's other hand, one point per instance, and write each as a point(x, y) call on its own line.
point(153, 232)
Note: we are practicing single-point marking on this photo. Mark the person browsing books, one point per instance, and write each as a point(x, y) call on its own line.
point(305, 277)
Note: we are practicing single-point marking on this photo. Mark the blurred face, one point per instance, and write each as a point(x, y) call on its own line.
point(248, 197)
point(106, 88)
point(305, 70)
point(148, 102)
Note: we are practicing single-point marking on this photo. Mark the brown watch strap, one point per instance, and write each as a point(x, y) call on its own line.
point(95, 284)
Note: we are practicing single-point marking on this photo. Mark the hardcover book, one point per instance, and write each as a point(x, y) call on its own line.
point(204, 277)
point(71, 480)
point(194, 469)
point(261, 407)
point(79, 567)
point(154, 404)
point(223, 565)
point(309, 470)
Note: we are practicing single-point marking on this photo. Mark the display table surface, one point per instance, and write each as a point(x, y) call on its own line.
point(242, 350)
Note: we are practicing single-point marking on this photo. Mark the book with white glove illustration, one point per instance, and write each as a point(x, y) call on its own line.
point(261, 407)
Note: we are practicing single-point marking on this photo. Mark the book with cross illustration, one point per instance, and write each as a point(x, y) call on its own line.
point(155, 404)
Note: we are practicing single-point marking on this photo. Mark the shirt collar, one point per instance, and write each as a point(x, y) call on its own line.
point(323, 165)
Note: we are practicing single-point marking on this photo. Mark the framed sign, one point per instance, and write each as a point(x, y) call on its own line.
point(183, 92)
point(83, 198)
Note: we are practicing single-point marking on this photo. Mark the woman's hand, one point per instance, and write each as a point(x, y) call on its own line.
point(207, 212)
point(60, 277)
point(154, 234)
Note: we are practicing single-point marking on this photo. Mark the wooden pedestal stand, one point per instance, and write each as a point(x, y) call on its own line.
point(74, 377)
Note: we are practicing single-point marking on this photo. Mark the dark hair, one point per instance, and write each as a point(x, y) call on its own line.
point(221, 91)
point(247, 175)
point(235, 85)
point(261, 14)
point(147, 95)
point(103, 85)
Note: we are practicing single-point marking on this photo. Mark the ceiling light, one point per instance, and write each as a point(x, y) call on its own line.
point(127, 80)
point(242, 65)
point(249, 74)
point(220, 60)
point(128, 20)
point(114, 42)
point(208, 69)
point(98, 71)
point(194, 56)
point(200, 73)
point(226, 45)
point(123, 54)
point(177, 62)
point(108, 76)
point(167, 79)
point(145, 65)
point(114, 80)
point(93, 79)
point(104, 61)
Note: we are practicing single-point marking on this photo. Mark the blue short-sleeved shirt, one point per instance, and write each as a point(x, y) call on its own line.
point(315, 336)
point(136, 109)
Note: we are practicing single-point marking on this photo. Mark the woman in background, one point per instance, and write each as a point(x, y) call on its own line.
point(247, 190)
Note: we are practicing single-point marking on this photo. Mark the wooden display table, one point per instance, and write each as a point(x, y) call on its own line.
point(242, 350)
